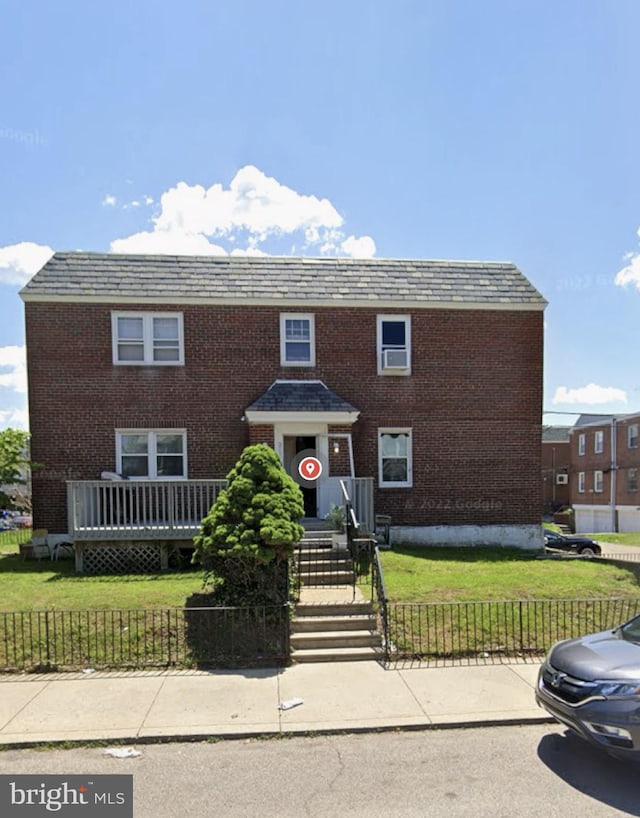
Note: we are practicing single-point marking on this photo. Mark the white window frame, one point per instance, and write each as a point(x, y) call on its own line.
point(147, 337)
point(582, 445)
point(598, 441)
point(581, 482)
point(152, 452)
point(380, 348)
point(297, 316)
point(632, 436)
point(598, 481)
point(394, 484)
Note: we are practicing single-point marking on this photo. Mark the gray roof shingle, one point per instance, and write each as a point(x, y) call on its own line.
point(281, 280)
point(300, 396)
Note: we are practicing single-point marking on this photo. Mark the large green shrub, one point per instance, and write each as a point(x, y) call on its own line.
point(246, 539)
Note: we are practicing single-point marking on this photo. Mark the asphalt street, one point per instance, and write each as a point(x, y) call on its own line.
point(502, 772)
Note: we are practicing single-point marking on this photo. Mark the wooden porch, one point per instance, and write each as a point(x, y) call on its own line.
point(149, 518)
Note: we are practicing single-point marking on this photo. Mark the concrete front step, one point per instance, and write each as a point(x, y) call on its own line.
point(326, 578)
point(311, 624)
point(337, 655)
point(332, 609)
point(335, 639)
point(306, 554)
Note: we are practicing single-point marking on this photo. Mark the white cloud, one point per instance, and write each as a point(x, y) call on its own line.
point(18, 262)
point(14, 359)
point(364, 247)
point(253, 210)
point(590, 394)
point(630, 274)
point(167, 242)
point(14, 418)
point(109, 200)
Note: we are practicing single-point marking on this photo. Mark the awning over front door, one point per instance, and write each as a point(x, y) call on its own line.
point(301, 400)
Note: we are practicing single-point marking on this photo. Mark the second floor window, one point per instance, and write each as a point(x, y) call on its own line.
point(394, 345)
point(582, 444)
point(598, 442)
point(147, 339)
point(632, 438)
point(297, 340)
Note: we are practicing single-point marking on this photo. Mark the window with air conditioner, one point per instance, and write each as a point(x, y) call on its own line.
point(394, 344)
point(562, 479)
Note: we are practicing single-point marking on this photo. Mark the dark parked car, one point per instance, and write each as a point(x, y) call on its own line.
point(592, 685)
point(573, 542)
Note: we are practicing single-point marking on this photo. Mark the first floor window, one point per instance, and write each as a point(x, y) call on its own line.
point(152, 454)
point(632, 480)
point(597, 481)
point(147, 338)
point(581, 482)
point(394, 458)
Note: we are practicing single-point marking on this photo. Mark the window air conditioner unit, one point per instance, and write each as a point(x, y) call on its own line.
point(395, 359)
point(562, 479)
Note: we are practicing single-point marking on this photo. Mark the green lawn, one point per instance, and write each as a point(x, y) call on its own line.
point(630, 538)
point(31, 585)
point(431, 574)
point(412, 574)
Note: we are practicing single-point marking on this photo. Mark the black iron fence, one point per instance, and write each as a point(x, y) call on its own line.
point(137, 639)
point(484, 632)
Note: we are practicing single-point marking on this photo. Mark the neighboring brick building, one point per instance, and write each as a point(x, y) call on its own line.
point(424, 377)
point(556, 462)
point(605, 469)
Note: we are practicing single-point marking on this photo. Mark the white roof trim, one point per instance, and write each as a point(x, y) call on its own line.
point(261, 416)
point(297, 303)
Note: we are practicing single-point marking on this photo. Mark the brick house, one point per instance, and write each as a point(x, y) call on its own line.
point(419, 382)
point(605, 468)
point(556, 462)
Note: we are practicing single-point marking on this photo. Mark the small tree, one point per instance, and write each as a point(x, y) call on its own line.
point(14, 468)
point(251, 530)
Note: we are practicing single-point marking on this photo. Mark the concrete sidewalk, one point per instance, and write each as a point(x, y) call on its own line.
point(183, 705)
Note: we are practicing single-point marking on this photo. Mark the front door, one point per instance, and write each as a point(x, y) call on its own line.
point(295, 447)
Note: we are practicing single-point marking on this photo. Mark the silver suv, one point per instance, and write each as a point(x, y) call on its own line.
point(592, 685)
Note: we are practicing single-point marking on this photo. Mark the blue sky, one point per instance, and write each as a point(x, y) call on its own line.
point(494, 130)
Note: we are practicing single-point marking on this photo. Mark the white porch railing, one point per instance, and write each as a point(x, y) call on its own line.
point(360, 490)
point(139, 509)
point(173, 509)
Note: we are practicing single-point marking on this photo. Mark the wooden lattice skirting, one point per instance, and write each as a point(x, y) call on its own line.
point(122, 558)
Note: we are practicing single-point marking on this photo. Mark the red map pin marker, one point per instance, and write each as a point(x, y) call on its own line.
point(310, 468)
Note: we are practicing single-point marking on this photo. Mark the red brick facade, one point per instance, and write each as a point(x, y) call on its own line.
point(608, 480)
point(472, 401)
